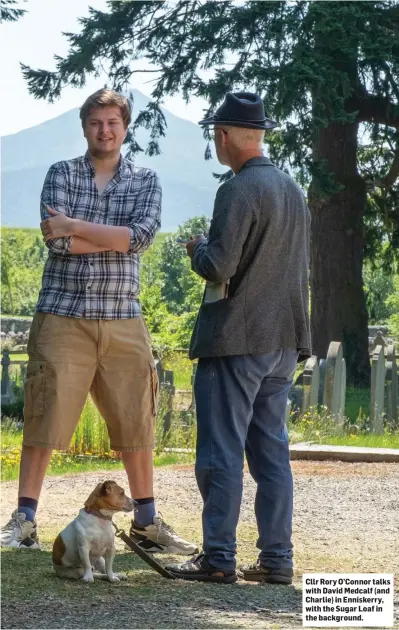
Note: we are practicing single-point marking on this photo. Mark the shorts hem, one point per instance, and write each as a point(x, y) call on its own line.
point(55, 447)
point(132, 449)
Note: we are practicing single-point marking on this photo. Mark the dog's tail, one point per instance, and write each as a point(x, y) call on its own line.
point(71, 573)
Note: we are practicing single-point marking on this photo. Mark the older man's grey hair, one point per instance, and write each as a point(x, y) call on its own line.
point(242, 137)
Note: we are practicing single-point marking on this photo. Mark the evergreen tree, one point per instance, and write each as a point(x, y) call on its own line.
point(328, 72)
point(9, 10)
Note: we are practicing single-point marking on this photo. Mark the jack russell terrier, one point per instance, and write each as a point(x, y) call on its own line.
point(88, 542)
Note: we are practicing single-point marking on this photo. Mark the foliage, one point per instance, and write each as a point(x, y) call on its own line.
point(23, 254)
point(327, 71)
point(315, 63)
point(10, 11)
point(393, 303)
point(378, 286)
point(182, 289)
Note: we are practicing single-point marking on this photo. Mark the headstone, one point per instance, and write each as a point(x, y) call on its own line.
point(343, 390)
point(335, 381)
point(5, 377)
point(377, 390)
point(309, 380)
point(169, 388)
point(392, 385)
point(378, 340)
point(192, 386)
point(287, 411)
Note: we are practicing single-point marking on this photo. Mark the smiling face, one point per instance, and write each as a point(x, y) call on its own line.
point(104, 131)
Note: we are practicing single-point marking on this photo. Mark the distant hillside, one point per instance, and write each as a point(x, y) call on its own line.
point(188, 186)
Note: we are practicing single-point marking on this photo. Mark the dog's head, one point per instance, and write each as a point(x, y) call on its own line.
point(110, 497)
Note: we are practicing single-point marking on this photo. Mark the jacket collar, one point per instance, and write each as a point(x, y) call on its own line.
point(260, 160)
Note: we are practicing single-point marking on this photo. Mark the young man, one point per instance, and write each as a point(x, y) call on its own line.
point(99, 213)
point(248, 344)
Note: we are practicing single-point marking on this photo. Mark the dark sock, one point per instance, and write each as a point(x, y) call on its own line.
point(144, 511)
point(28, 506)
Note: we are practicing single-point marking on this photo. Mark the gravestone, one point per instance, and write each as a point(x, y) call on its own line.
point(309, 381)
point(378, 340)
point(343, 390)
point(391, 385)
point(6, 387)
point(322, 377)
point(335, 382)
point(192, 387)
point(288, 411)
point(169, 388)
point(377, 390)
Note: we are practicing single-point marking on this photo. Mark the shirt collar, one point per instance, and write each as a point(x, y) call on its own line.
point(123, 169)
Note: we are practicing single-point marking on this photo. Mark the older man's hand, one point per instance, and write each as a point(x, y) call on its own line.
point(192, 243)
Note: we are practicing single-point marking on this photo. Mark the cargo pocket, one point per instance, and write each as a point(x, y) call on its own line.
point(154, 389)
point(34, 386)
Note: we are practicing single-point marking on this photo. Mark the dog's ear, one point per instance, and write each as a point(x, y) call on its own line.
point(93, 496)
point(106, 487)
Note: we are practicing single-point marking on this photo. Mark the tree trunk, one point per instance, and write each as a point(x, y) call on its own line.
point(338, 307)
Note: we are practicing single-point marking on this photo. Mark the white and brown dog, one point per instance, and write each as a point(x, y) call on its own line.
point(88, 542)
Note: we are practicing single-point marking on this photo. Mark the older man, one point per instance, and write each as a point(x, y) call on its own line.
point(251, 328)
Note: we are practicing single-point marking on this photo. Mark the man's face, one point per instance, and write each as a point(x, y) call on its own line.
point(104, 131)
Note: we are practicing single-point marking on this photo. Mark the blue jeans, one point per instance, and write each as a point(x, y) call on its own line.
point(241, 405)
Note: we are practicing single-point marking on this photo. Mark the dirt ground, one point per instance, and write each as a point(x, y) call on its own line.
point(346, 519)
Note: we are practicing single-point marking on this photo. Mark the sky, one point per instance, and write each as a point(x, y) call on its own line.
point(34, 40)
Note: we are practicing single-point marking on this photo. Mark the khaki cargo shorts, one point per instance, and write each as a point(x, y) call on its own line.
point(111, 359)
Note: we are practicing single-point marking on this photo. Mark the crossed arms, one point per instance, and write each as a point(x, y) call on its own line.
point(64, 234)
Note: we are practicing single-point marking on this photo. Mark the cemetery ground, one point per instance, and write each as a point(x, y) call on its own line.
point(345, 520)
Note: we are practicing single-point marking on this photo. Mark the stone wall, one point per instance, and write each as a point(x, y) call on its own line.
point(15, 325)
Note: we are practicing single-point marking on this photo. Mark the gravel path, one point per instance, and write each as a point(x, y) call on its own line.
point(345, 520)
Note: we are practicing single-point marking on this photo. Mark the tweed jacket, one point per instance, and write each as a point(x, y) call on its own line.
point(259, 241)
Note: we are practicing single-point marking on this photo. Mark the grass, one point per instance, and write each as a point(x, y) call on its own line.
point(357, 404)
point(388, 440)
point(318, 426)
point(182, 368)
point(66, 464)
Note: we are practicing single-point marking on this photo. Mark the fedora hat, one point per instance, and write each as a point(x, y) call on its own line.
point(241, 109)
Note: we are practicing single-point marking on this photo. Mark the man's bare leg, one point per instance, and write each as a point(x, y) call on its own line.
point(139, 470)
point(34, 463)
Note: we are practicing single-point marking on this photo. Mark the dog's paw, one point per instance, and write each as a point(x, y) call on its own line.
point(121, 576)
point(88, 579)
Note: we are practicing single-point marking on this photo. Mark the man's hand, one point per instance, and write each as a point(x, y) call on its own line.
point(192, 243)
point(57, 226)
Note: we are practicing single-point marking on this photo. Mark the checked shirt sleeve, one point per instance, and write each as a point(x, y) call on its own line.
point(55, 195)
point(147, 214)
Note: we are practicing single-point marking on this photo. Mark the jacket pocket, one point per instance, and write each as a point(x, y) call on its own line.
point(34, 387)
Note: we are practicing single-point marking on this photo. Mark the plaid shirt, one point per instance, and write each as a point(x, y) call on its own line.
point(104, 285)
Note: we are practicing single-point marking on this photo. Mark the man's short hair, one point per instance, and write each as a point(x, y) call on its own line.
point(107, 98)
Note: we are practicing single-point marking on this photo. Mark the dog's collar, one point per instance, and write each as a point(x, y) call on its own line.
point(98, 514)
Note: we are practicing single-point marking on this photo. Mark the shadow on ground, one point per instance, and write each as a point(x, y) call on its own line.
point(32, 597)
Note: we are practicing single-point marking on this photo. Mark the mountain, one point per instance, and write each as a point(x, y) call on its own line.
point(188, 185)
